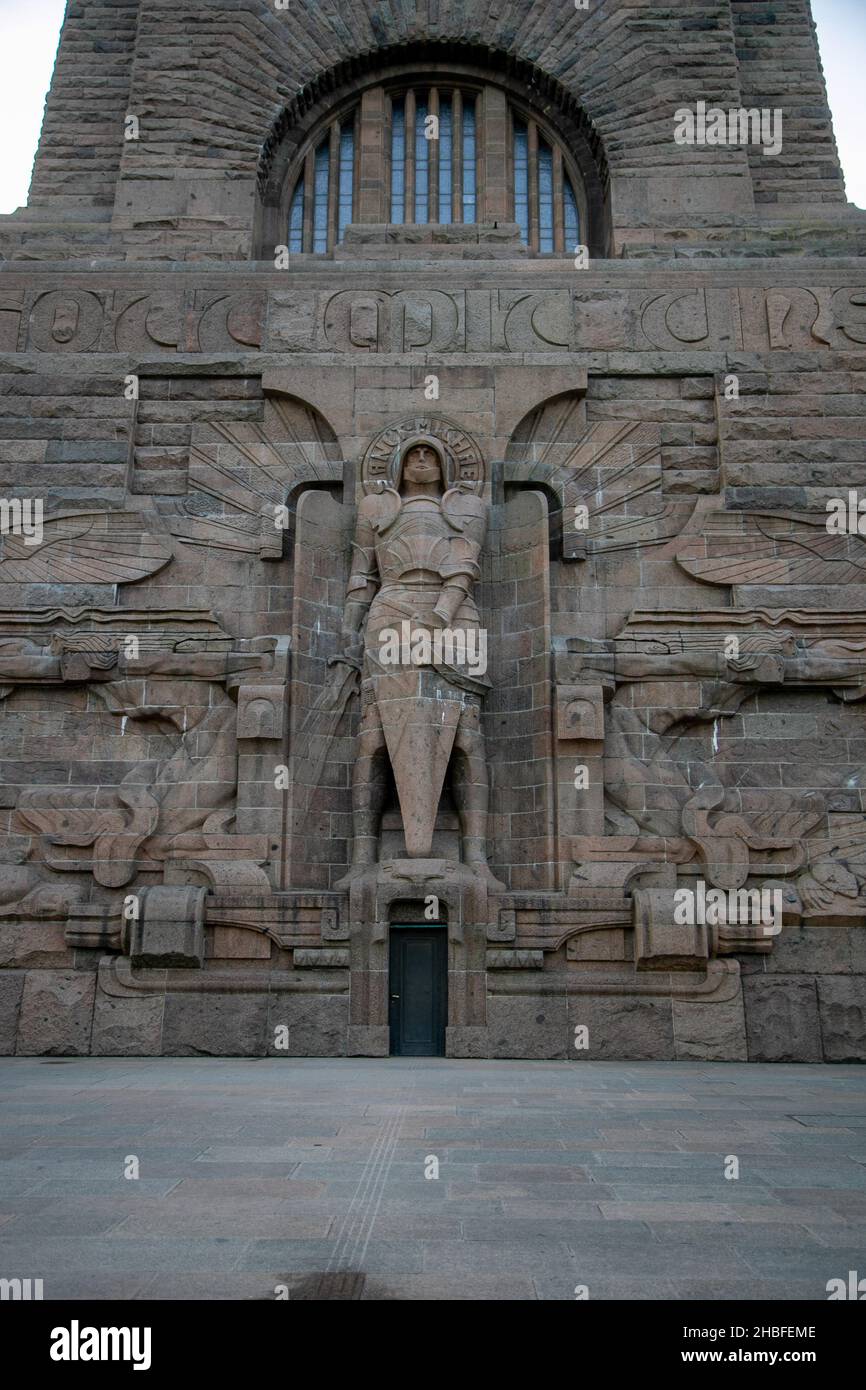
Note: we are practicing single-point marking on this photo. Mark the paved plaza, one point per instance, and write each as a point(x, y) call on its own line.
point(316, 1178)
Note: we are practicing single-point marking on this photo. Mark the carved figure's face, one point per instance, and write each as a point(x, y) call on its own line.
point(421, 465)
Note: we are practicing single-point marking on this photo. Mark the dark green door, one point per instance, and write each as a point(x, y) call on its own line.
point(419, 991)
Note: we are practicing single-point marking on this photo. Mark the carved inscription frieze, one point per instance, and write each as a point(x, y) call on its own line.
point(576, 316)
point(78, 320)
point(416, 320)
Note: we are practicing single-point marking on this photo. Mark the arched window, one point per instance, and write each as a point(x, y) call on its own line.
point(323, 197)
point(433, 156)
point(545, 203)
point(430, 149)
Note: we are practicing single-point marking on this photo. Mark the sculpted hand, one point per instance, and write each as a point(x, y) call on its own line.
point(353, 647)
point(448, 603)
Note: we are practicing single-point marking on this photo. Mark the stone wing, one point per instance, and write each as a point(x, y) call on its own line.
point(85, 548)
point(771, 548)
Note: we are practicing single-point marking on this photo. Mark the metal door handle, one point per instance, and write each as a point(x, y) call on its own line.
point(395, 996)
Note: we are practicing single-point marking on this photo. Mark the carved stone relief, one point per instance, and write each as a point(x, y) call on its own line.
point(558, 318)
point(414, 783)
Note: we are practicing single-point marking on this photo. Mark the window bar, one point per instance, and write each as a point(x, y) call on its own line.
point(470, 161)
point(572, 219)
point(296, 218)
point(422, 163)
point(433, 160)
point(333, 182)
point(546, 220)
point(309, 185)
point(521, 180)
point(558, 202)
point(320, 211)
point(457, 156)
point(409, 137)
point(510, 176)
point(480, 156)
point(348, 164)
point(445, 160)
point(532, 132)
point(356, 161)
point(397, 178)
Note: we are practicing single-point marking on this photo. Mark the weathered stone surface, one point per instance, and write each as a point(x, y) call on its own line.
point(56, 1013)
point(782, 1023)
point(515, 960)
point(215, 1025)
point(811, 950)
point(842, 1010)
point(126, 1023)
point(317, 1025)
point(528, 1027)
point(11, 990)
point(365, 1041)
point(713, 1032)
point(33, 944)
point(619, 1027)
point(467, 1042)
point(857, 944)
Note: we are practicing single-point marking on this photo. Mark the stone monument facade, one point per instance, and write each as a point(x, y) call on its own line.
point(433, 609)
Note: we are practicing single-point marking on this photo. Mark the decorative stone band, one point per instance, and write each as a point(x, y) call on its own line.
point(623, 309)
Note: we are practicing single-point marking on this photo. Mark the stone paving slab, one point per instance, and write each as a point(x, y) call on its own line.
point(310, 1173)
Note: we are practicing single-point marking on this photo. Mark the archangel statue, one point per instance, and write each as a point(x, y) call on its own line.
point(412, 625)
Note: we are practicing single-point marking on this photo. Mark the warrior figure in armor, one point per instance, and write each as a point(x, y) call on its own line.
point(415, 560)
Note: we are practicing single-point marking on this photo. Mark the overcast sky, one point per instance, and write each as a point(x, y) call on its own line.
point(29, 31)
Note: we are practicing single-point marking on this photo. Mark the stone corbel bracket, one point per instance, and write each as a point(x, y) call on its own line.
point(261, 711)
point(169, 928)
